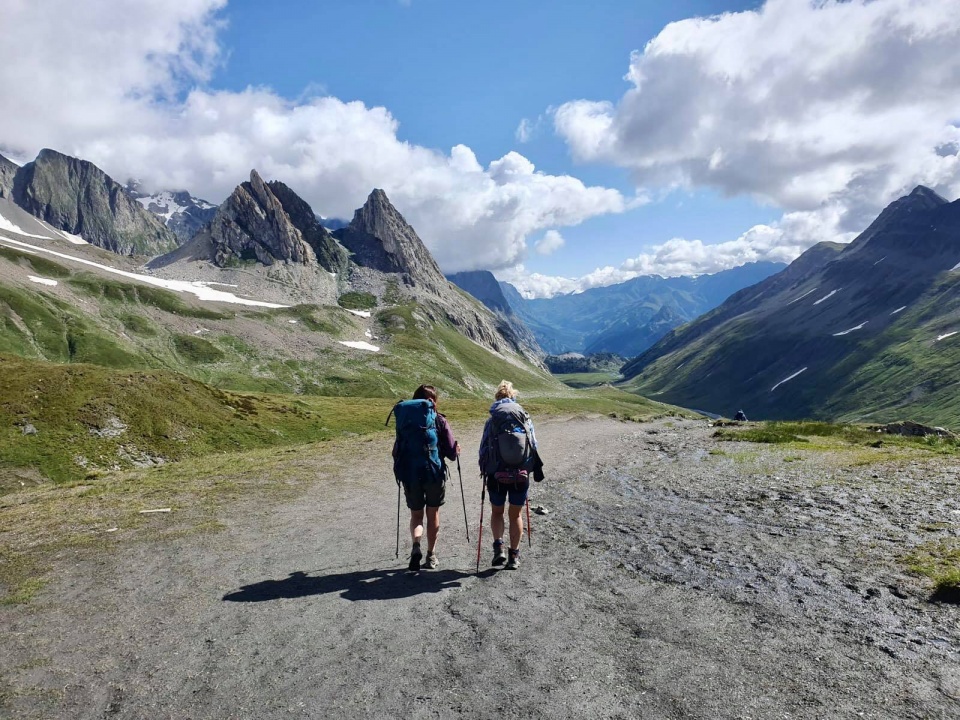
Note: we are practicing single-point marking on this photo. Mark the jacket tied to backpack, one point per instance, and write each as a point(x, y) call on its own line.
point(508, 449)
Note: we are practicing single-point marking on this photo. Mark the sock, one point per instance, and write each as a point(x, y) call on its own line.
point(497, 544)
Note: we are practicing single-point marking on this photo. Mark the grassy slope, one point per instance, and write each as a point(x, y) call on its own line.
point(901, 373)
point(127, 356)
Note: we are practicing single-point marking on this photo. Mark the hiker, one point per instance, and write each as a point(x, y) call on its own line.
point(508, 457)
point(741, 416)
point(423, 439)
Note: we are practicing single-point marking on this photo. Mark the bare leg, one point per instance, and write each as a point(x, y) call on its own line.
point(516, 526)
point(433, 527)
point(416, 525)
point(496, 521)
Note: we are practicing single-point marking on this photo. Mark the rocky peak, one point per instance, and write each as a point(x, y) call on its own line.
point(77, 196)
point(380, 238)
point(923, 195)
point(325, 248)
point(252, 225)
point(270, 223)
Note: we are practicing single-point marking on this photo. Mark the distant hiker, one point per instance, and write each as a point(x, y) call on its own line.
point(508, 457)
point(741, 416)
point(423, 439)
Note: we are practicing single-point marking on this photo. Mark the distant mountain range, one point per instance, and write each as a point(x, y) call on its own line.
point(629, 317)
point(86, 267)
point(869, 330)
point(182, 213)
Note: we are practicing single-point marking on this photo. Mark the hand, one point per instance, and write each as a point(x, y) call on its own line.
point(456, 448)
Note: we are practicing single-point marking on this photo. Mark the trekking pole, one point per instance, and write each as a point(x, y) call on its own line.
point(483, 497)
point(463, 499)
point(398, 521)
point(529, 529)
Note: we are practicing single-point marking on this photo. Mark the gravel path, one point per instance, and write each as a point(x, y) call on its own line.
point(673, 577)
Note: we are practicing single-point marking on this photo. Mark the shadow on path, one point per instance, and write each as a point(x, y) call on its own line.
point(360, 585)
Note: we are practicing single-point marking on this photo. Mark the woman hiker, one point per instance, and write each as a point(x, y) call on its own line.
point(423, 439)
point(508, 457)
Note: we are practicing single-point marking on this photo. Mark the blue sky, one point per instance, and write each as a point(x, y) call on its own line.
point(559, 143)
point(468, 73)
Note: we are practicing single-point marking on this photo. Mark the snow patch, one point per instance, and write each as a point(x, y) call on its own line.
point(162, 205)
point(787, 379)
point(292, 322)
point(801, 297)
point(828, 296)
point(880, 261)
point(847, 332)
point(946, 335)
point(197, 288)
point(899, 310)
point(42, 280)
point(71, 238)
point(360, 313)
point(359, 345)
point(955, 267)
point(14, 228)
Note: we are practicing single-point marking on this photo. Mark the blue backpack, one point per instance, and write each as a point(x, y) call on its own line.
point(417, 453)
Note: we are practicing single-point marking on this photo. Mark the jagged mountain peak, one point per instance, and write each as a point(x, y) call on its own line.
point(381, 239)
point(378, 216)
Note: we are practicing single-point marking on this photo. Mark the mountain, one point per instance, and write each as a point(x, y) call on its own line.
point(263, 222)
point(182, 213)
point(380, 239)
point(390, 257)
point(482, 285)
point(628, 317)
point(8, 171)
point(76, 196)
point(865, 330)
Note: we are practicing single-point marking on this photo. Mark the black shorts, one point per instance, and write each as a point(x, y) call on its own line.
point(428, 491)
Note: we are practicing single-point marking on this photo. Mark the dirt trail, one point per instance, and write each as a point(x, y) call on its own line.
point(665, 582)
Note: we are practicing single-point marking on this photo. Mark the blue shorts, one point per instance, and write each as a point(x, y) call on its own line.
point(500, 492)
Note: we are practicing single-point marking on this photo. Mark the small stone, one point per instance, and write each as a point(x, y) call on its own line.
point(541, 510)
point(28, 429)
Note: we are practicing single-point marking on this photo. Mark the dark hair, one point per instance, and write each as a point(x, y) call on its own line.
point(425, 392)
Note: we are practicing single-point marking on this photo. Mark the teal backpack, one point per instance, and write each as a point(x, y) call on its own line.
point(417, 453)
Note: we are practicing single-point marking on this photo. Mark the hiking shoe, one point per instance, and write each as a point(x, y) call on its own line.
point(499, 557)
point(432, 562)
point(415, 556)
point(514, 562)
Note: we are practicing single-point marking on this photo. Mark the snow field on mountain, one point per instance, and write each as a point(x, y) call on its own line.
point(847, 332)
point(42, 280)
point(828, 296)
point(199, 289)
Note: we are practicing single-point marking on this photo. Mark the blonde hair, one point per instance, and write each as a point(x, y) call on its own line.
point(505, 390)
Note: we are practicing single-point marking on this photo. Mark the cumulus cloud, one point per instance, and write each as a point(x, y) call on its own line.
point(127, 91)
point(549, 243)
point(812, 105)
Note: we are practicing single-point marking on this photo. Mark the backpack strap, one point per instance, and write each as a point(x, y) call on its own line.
point(389, 415)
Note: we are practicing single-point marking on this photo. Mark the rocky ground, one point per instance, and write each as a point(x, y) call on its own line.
point(672, 576)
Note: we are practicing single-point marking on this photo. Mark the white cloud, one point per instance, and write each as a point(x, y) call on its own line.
point(524, 131)
point(814, 105)
point(127, 92)
point(549, 243)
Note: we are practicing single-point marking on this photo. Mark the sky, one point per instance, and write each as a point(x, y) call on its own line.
point(560, 144)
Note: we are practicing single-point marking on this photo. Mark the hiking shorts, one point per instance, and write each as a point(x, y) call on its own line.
point(500, 492)
point(423, 491)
